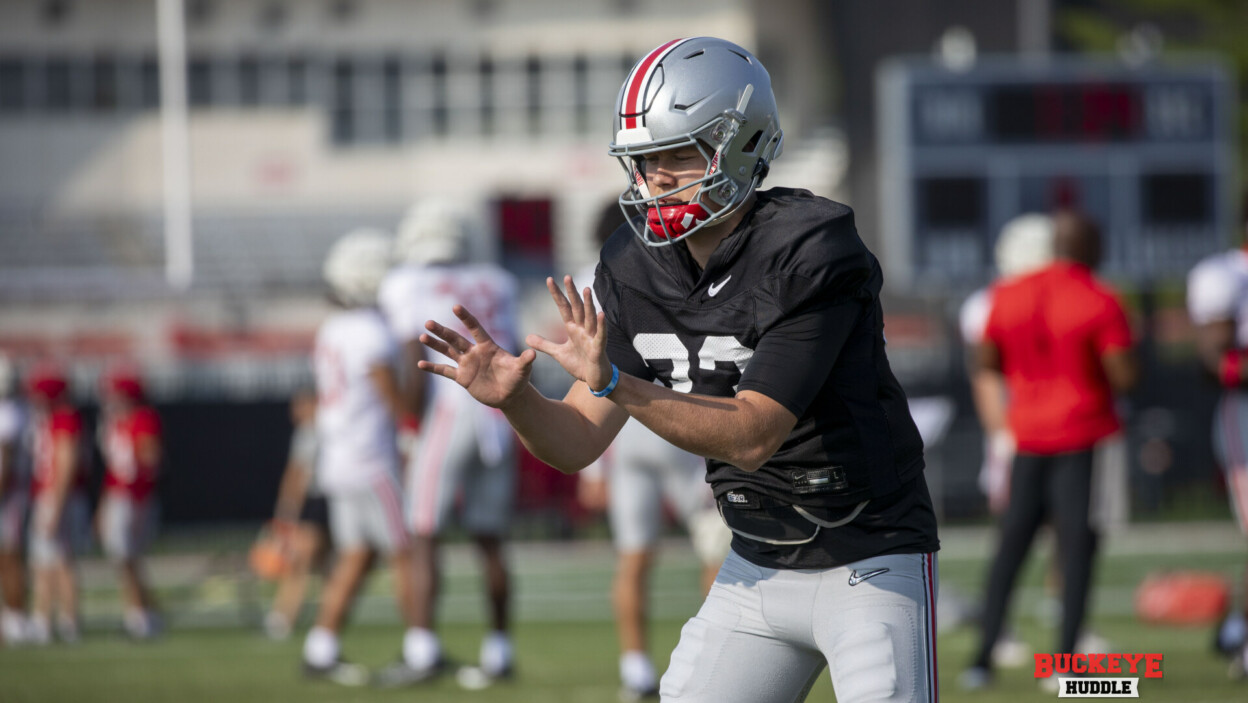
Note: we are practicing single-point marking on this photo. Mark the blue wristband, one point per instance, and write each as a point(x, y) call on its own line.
point(615, 378)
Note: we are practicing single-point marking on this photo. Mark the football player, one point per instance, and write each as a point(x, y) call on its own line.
point(463, 450)
point(1217, 301)
point(1025, 244)
point(1056, 327)
point(131, 445)
point(59, 504)
point(759, 313)
point(358, 468)
point(14, 497)
point(632, 480)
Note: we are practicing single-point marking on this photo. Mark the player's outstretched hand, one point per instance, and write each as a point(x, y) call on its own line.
point(584, 355)
point(488, 372)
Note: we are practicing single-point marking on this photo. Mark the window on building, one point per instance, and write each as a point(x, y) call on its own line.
point(580, 93)
point(342, 103)
point(199, 82)
point(488, 106)
point(441, 112)
point(12, 85)
point(297, 81)
point(248, 80)
point(105, 92)
point(533, 92)
point(392, 98)
point(58, 85)
point(149, 82)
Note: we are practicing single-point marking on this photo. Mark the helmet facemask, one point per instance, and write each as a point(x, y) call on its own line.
point(714, 194)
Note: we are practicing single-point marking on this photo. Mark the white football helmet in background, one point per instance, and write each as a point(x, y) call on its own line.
point(702, 92)
point(1025, 244)
point(437, 232)
point(355, 265)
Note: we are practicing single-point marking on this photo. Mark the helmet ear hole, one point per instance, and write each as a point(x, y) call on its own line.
point(752, 145)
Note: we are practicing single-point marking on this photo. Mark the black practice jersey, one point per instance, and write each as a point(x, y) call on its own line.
point(788, 306)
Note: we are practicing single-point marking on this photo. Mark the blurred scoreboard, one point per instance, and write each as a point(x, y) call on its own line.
point(1145, 151)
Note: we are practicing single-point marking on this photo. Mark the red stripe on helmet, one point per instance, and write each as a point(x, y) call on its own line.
point(630, 109)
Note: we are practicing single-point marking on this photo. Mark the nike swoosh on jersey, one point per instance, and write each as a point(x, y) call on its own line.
point(716, 287)
point(856, 578)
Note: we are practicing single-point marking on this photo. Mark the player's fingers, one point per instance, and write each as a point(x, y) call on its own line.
point(456, 341)
point(574, 301)
point(440, 369)
point(439, 346)
point(527, 357)
point(600, 332)
point(541, 344)
point(474, 326)
point(565, 310)
point(591, 315)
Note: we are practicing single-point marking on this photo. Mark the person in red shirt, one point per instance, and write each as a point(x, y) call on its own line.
point(1061, 340)
point(58, 496)
point(130, 442)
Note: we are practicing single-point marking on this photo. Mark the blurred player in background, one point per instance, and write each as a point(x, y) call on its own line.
point(1061, 340)
point(358, 467)
point(131, 444)
point(14, 499)
point(300, 519)
point(1217, 302)
point(463, 451)
point(58, 504)
point(759, 313)
point(1025, 245)
point(634, 479)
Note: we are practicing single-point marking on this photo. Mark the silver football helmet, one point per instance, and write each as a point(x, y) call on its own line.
point(355, 265)
point(703, 92)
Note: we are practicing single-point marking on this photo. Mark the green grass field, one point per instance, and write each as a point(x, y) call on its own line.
point(563, 634)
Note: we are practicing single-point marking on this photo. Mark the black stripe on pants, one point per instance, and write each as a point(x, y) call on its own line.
point(1058, 486)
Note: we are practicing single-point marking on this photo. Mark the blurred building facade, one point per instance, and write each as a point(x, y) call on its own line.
point(308, 118)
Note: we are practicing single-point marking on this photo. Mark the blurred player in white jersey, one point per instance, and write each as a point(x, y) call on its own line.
point(131, 444)
point(463, 450)
point(14, 498)
point(632, 481)
point(1217, 302)
point(358, 470)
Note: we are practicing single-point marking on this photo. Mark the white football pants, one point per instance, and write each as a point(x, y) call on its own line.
point(764, 635)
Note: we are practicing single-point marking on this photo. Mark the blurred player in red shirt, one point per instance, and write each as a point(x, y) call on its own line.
point(1061, 339)
point(59, 499)
point(130, 442)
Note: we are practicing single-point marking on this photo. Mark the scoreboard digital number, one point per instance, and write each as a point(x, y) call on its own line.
point(1145, 151)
